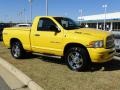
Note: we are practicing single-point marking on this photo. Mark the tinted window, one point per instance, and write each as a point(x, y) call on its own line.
point(45, 24)
point(67, 23)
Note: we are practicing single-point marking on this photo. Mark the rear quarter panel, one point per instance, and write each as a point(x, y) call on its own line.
point(21, 34)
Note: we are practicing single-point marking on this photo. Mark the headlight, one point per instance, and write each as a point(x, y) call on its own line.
point(96, 44)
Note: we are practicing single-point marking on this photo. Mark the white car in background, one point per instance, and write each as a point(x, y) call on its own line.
point(23, 25)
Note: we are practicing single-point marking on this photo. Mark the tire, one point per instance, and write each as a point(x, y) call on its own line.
point(77, 59)
point(17, 50)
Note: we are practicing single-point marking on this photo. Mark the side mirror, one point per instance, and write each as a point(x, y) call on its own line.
point(58, 29)
point(55, 28)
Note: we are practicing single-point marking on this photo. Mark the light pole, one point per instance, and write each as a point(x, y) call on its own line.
point(30, 1)
point(46, 7)
point(81, 13)
point(20, 14)
point(24, 14)
point(105, 11)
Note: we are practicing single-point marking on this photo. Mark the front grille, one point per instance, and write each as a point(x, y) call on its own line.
point(110, 42)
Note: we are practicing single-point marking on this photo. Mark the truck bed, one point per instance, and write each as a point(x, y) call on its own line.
point(17, 32)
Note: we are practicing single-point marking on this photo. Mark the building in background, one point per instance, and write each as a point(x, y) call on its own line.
point(97, 21)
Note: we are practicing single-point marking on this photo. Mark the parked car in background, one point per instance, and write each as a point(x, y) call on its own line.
point(2, 26)
point(116, 34)
point(23, 25)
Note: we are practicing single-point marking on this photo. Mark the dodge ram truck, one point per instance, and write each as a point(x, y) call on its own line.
point(61, 36)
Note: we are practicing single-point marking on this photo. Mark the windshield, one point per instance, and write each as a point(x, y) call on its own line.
point(67, 23)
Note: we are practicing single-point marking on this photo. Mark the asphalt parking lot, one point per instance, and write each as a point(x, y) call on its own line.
point(53, 74)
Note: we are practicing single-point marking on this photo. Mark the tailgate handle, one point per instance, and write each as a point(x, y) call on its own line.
point(37, 34)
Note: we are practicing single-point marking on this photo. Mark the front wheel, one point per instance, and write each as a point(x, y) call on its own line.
point(76, 58)
point(17, 50)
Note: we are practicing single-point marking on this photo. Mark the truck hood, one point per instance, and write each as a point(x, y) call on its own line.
point(91, 32)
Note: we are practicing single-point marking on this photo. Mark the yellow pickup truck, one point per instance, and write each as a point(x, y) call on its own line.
point(61, 36)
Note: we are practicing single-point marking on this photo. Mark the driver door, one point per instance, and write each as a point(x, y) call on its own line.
point(46, 39)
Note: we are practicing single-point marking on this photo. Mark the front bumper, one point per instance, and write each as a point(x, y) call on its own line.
point(100, 55)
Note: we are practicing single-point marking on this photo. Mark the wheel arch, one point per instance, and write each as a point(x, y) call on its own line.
point(14, 40)
point(70, 45)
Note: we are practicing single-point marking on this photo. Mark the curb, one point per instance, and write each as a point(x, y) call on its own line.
point(20, 75)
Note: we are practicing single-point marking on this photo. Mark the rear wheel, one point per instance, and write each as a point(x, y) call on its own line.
point(76, 58)
point(17, 50)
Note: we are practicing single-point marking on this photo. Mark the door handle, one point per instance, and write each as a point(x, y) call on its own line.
point(37, 34)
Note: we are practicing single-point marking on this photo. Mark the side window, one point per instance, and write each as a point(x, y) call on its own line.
point(45, 24)
point(64, 23)
point(67, 23)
